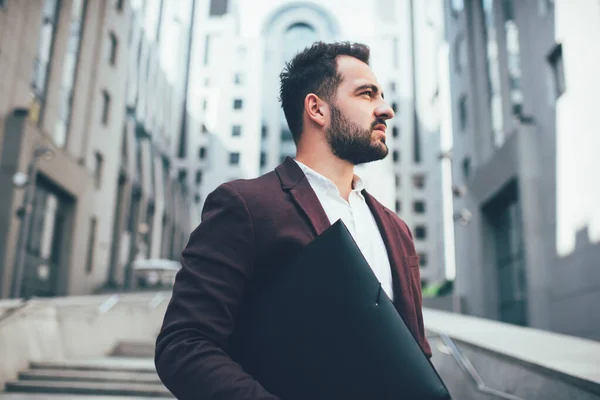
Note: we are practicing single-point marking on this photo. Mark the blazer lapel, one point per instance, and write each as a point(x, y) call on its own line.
point(396, 254)
point(294, 181)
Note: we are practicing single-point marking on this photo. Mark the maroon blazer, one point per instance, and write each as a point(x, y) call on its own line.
point(250, 227)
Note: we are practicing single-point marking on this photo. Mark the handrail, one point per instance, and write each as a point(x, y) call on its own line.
point(465, 364)
point(11, 311)
point(108, 304)
point(156, 300)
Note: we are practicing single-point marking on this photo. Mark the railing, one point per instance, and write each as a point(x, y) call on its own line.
point(40, 329)
point(551, 361)
point(13, 310)
point(467, 367)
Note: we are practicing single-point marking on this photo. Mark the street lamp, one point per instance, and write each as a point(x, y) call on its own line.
point(27, 182)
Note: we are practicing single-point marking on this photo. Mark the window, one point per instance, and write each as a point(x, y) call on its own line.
point(238, 78)
point(420, 232)
point(98, 170)
point(134, 208)
point(206, 53)
point(493, 73)
point(202, 153)
point(197, 199)
point(263, 132)
point(466, 167)
point(42, 60)
point(41, 208)
point(237, 104)
point(236, 130)
point(204, 104)
point(558, 70)
point(423, 260)
point(462, 112)
point(120, 4)
point(234, 158)
point(204, 129)
point(89, 265)
point(263, 159)
point(416, 153)
point(392, 87)
point(419, 181)
point(182, 176)
point(105, 107)
point(395, 131)
point(460, 53)
point(396, 156)
point(394, 107)
point(457, 6)
point(513, 53)
point(296, 38)
point(69, 73)
point(198, 177)
point(218, 7)
point(504, 214)
point(397, 180)
point(419, 207)
point(113, 48)
point(398, 206)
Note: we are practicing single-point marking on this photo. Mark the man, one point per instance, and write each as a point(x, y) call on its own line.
point(335, 110)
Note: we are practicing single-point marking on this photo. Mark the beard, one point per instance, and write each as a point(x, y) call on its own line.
point(352, 143)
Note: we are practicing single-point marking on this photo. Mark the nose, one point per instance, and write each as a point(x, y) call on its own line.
point(384, 111)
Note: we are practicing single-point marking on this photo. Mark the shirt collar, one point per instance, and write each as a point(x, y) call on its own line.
point(358, 184)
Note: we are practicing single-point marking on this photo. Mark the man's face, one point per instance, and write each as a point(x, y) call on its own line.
point(358, 115)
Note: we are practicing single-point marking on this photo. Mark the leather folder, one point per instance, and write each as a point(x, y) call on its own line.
point(323, 328)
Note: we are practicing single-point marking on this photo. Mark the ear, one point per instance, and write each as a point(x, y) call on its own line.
point(316, 109)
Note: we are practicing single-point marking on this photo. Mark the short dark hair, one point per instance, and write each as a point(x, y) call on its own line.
point(314, 70)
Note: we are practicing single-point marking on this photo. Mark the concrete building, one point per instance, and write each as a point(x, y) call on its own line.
point(523, 86)
point(240, 128)
point(103, 190)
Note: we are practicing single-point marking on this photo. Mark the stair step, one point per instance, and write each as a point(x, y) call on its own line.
point(90, 376)
point(100, 364)
point(134, 349)
point(97, 388)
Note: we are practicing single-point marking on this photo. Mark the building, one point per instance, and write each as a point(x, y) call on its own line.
point(78, 103)
point(240, 129)
point(523, 86)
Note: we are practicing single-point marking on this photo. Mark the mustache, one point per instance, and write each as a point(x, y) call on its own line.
point(378, 122)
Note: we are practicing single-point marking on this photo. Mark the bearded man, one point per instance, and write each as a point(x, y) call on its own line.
point(337, 114)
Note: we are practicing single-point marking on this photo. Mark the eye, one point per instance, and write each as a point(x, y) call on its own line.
point(368, 93)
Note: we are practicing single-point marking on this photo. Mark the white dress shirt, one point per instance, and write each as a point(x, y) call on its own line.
point(357, 216)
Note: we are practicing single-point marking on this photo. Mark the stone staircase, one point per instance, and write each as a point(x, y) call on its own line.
point(127, 373)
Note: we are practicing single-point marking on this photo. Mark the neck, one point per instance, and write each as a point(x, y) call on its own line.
point(340, 172)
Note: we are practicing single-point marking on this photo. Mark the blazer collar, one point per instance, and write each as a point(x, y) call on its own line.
point(289, 173)
point(294, 181)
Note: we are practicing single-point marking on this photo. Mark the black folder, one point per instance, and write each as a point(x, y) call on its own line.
point(322, 328)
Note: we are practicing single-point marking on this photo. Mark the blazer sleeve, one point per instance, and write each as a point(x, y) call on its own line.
point(191, 349)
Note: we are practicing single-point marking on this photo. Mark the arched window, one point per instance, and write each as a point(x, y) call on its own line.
point(296, 38)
